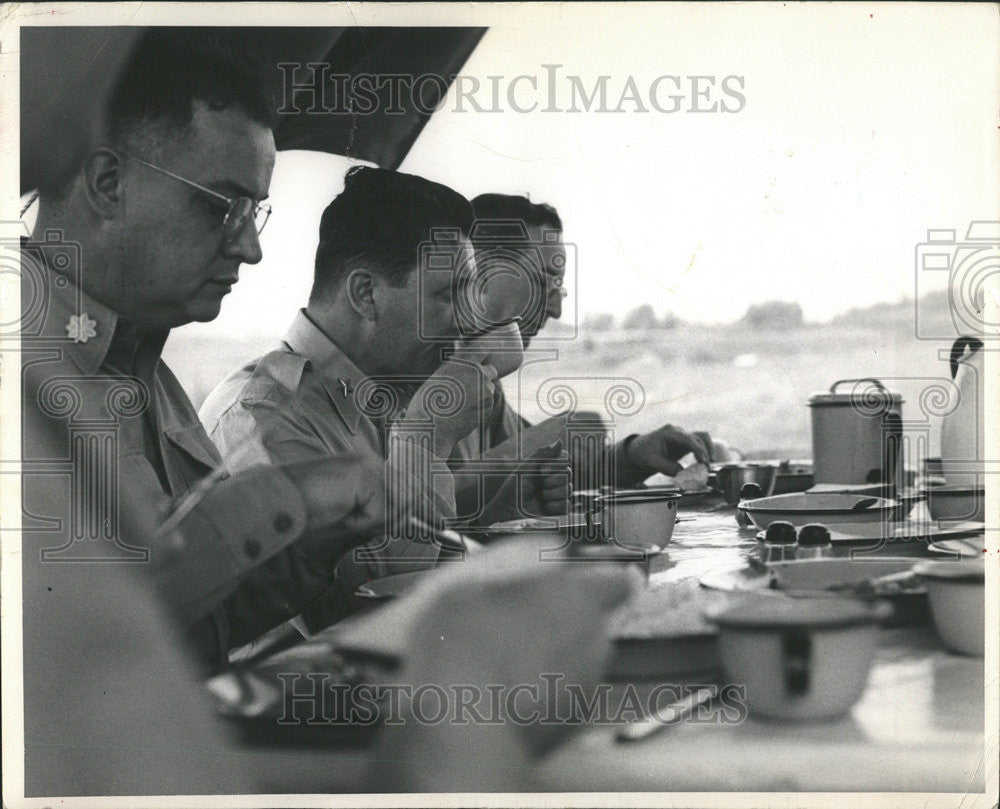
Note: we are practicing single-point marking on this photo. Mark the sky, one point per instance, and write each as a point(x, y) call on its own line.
point(860, 127)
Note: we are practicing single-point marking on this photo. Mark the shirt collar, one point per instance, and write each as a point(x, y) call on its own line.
point(340, 377)
point(82, 326)
point(85, 329)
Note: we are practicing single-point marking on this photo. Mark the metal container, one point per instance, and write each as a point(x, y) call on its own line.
point(639, 519)
point(857, 435)
point(732, 477)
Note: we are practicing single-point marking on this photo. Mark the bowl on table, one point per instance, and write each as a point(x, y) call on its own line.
point(799, 659)
point(951, 502)
point(574, 537)
point(825, 509)
point(640, 518)
point(906, 497)
point(957, 594)
point(884, 579)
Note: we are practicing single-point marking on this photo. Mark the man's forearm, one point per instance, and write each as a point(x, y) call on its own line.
point(318, 506)
point(627, 473)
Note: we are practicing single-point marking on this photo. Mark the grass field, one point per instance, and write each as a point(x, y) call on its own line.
point(746, 386)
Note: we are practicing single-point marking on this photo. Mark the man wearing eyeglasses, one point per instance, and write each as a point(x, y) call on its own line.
point(149, 234)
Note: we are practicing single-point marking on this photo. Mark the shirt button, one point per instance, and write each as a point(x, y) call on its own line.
point(251, 548)
point(282, 523)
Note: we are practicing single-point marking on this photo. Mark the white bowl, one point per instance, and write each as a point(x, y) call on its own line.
point(957, 594)
point(816, 576)
point(799, 659)
point(825, 509)
point(956, 502)
point(639, 519)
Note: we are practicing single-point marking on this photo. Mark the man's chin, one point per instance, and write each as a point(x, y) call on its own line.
point(204, 311)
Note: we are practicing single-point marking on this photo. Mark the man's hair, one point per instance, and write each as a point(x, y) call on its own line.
point(379, 221)
point(170, 69)
point(506, 206)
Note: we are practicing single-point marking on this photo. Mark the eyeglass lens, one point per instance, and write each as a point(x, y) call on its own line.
point(240, 212)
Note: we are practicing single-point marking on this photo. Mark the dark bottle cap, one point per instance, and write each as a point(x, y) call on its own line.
point(780, 533)
point(750, 491)
point(814, 535)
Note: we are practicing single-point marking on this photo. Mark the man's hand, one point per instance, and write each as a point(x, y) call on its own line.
point(660, 450)
point(344, 499)
point(457, 398)
point(539, 487)
point(502, 620)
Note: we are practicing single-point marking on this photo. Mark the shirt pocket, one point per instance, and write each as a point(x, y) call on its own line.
point(189, 456)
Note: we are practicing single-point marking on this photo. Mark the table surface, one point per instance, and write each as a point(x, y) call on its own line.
point(918, 726)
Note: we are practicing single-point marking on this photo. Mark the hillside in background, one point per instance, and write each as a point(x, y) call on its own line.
point(747, 384)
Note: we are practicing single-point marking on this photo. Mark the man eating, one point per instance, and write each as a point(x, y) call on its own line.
point(361, 369)
point(532, 288)
point(134, 537)
point(148, 234)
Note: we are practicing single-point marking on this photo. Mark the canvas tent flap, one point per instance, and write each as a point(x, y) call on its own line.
point(401, 75)
point(67, 74)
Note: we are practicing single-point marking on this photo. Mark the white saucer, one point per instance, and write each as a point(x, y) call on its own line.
point(853, 533)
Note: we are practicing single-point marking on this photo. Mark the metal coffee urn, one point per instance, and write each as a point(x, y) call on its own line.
point(857, 433)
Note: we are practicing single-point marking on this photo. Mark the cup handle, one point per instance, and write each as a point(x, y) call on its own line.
point(958, 350)
point(796, 661)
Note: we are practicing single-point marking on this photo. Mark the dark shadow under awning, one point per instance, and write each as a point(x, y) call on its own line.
point(398, 75)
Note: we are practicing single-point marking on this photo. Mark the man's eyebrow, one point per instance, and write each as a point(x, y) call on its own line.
point(233, 188)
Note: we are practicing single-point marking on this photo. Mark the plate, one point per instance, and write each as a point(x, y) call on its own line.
point(687, 498)
point(534, 525)
point(817, 577)
point(389, 587)
point(696, 496)
point(970, 547)
point(856, 533)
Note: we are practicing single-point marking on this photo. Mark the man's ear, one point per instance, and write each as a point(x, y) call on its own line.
point(102, 182)
point(361, 286)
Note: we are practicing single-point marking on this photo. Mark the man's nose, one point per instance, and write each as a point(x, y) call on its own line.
point(246, 246)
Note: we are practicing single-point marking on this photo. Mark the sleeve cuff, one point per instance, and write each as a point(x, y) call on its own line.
point(241, 523)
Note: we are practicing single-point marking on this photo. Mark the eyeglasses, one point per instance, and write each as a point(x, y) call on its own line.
point(239, 212)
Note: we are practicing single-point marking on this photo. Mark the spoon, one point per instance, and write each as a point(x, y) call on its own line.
point(668, 715)
point(864, 503)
